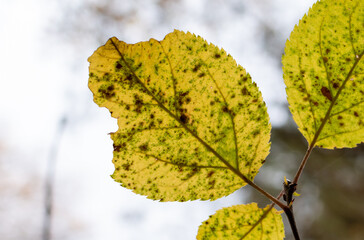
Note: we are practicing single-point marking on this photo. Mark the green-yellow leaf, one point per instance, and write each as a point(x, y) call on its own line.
point(234, 222)
point(188, 117)
point(323, 71)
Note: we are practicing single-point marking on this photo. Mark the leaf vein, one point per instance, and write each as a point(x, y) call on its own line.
point(346, 109)
point(340, 133)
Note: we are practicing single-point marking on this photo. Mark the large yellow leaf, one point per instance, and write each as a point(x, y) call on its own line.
point(188, 117)
point(234, 223)
point(323, 72)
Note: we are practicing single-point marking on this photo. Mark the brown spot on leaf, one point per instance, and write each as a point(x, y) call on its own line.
point(183, 118)
point(356, 114)
point(129, 77)
point(336, 85)
point(144, 147)
point(326, 92)
point(126, 166)
point(116, 147)
point(244, 91)
point(209, 174)
point(197, 67)
point(118, 66)
point(107, 91)
point(212, 184)
point(225, 109)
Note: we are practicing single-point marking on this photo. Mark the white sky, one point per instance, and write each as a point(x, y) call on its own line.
point(38, 86)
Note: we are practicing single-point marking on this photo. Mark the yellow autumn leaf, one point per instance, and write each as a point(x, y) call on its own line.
point(323, 72)
point(234, 223)
point(188, 117)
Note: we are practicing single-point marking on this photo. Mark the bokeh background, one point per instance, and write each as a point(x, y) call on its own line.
point(54, 145)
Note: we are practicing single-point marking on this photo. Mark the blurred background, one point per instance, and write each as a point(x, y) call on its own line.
point(54, 146)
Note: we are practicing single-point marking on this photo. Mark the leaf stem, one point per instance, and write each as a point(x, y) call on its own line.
point(292, 222)
point(259, 189)
point(303, 163)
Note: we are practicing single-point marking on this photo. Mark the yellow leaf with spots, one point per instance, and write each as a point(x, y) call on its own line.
point(236, 222)
point(323, 71)
point(190, 119)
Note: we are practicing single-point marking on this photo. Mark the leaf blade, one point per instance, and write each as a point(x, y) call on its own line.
point(235, 222)
point(326, 90)
point(181, 105)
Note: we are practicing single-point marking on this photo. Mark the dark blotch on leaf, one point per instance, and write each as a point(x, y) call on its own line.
point(356, 114)
point(129, 77)
point(118, 66)
point(225, 109)
point(326, 92)
point(116, 147)
point(217, 55)
point(244, 91)
point(183, 118)
point(197, 67)
point(143, 147)
point(126, 166)
point(209, 174)
point(107, 91)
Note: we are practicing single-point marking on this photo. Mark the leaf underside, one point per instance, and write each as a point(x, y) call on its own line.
point(234, 222)
point(187, 114)
point(323, 73)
